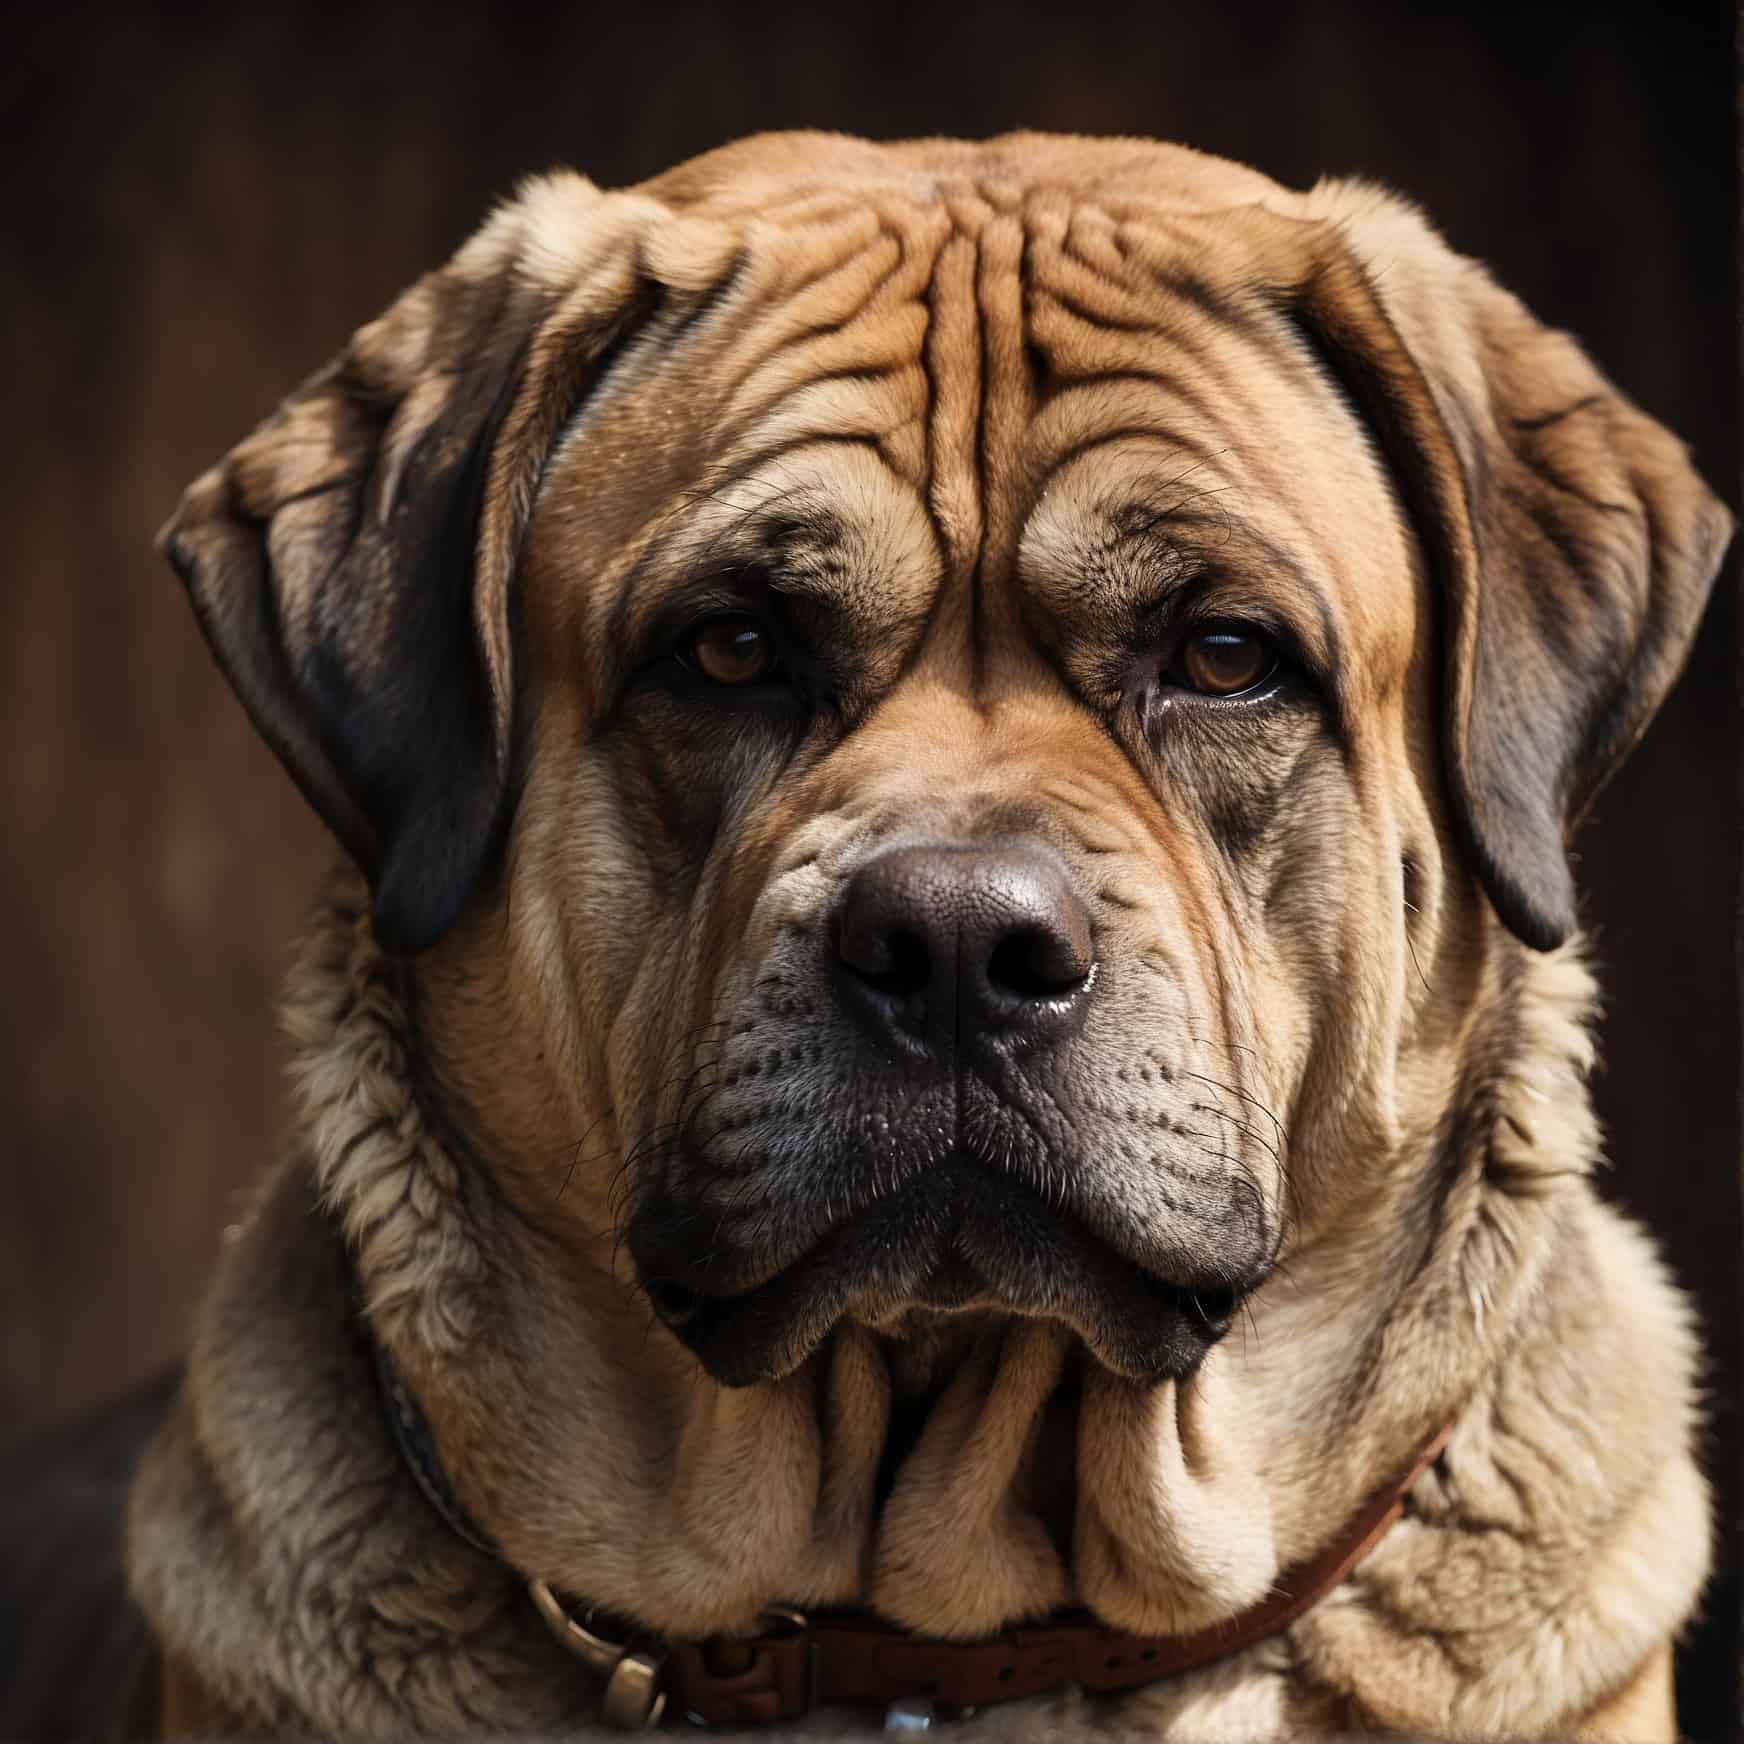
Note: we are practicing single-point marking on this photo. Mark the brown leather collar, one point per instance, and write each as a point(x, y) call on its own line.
point(852, 1659)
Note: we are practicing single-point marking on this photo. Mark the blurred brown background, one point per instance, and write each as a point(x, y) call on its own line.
point(200, 208)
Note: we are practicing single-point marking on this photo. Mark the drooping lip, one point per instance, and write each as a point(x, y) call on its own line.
point(960, 1234)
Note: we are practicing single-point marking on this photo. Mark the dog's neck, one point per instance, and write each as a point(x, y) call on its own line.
point(916, 1475)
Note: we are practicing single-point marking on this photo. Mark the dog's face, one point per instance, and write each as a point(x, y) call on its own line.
point(957, 718)
point(982, 886)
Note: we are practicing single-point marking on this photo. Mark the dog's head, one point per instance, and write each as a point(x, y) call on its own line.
point(952, 726)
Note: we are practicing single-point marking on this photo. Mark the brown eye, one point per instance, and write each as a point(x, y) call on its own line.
point(1227, 662)
point(733, 651)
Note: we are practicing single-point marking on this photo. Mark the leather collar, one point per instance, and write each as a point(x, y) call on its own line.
point(852, 1659)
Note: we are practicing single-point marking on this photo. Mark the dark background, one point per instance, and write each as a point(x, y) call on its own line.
point(198, 209)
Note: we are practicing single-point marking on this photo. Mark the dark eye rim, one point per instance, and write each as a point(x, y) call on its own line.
point(685, 651)
point(792, 688)
point(1172, 678)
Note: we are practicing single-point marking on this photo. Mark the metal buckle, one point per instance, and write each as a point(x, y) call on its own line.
point(634, 1699)
point(635, 1694)
point(910, 1714)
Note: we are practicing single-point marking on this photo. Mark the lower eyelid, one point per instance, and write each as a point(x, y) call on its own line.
point(1185, 695)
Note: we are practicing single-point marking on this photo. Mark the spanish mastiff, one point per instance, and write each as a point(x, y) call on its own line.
point(961, 1000)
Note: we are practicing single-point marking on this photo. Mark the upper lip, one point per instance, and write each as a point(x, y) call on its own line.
point(942, 1191)
point(885, 1248)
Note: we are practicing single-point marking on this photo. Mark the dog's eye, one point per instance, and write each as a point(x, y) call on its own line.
point(1226, 661)
point(732, 651)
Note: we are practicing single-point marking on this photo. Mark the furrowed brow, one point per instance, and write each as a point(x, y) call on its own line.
point(724, 544)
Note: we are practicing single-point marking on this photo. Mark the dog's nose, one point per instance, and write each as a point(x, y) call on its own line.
point(942, 943)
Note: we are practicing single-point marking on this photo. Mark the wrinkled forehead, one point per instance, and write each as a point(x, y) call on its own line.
point(1038, 392)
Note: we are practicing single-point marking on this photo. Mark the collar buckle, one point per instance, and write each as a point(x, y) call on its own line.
point(753, 1680)
point(635, 1692)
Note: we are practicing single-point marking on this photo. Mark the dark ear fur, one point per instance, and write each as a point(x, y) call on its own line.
point(350, 561)
point(1573, 543)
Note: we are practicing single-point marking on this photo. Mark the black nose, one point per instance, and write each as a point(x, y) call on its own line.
point(940, 944)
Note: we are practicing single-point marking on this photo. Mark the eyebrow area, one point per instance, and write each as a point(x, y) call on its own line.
point(1121, 577)
point(855, 591)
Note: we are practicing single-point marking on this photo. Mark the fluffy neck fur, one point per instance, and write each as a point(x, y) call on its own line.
point(1557, 1542)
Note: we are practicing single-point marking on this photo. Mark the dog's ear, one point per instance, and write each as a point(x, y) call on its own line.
point(350, 562)
point(1573, 542)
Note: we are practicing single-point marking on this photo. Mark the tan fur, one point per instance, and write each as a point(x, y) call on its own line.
point(970, 358)
point(1641, 1710)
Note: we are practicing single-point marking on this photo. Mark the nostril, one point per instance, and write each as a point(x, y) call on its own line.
point(895, 962)
point(1036, 964)
point(937, 944)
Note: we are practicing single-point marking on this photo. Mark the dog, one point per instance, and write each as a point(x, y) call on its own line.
point(956, 1010)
